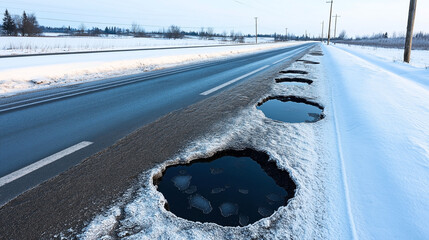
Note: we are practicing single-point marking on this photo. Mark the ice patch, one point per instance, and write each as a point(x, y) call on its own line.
point(265, 212)
point(182, 182)
point(199, 202)
point(228, 209)
point(192, 189)
point(243, 220)
point(274, 197)
point(243, 191)
point(216, 171)
point(218, 190)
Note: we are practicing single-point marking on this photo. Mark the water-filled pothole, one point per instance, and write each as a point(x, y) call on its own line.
point(291, 109)
point(232, 188)
point(293, 81)
point(293, 72)
point(307, 61)
point(316, 53)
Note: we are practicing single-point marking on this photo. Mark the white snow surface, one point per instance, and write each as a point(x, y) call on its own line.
point(38, 72)
point(54, 42)
point(361, 172)
point(419, 58)
point(381, 114)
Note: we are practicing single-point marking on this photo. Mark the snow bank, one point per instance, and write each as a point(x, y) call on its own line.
point(296, 148)
point(32, 73)
point(381, 116)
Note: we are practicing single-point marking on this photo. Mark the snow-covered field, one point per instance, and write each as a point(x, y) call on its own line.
point(51, 44)
point(38, 72)
point(361, 172)
point(419, 58)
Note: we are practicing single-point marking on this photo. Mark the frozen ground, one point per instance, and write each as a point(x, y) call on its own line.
point(38, 72)
point(419, 58)
point(52, 43)
point(361, 172)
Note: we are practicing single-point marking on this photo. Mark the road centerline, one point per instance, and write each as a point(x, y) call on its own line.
point(232, 81)
point(41, 163)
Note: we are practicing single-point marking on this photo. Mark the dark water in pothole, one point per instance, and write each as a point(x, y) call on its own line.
point(291, 110)
point(230, 188)
point(293, 81)
point(294, 72)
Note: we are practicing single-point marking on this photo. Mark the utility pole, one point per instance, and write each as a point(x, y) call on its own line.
point(335, 31)
point(410, 28)
point(323, 26)
point(256, 29)
point(330, 18)
point(286, 35)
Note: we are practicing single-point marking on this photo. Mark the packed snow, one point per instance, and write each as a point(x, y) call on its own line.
point(39, 72)
point(361, 172)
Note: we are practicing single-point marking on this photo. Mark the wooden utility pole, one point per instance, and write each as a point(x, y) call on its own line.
point(323, 26)
point(330, 18)
point(256, 29)
point(335, 29)
point(410, 28)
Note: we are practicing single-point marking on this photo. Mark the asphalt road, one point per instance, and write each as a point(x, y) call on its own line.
point(89, 117)
point(65, 203)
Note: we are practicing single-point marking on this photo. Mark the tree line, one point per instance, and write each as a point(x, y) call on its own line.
point(25, 25)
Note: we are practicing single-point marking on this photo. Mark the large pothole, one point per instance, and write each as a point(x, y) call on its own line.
point(291, 109)
point(307, 61)
point(293, 81)
point(316, 53)
point(232, 188)
point(294, 72)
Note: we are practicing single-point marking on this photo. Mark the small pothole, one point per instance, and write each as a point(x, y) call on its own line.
point(291, 109)
point(307, 61)
point(293, 81)
point(294, 72)
point(232, 188)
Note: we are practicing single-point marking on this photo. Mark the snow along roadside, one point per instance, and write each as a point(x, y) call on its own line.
point(382, 119)
point(34, 73)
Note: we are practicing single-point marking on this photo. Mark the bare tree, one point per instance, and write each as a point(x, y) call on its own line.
point(81, 28)
point(31, 25)
point(137, 30)
point(174, 32)
point(342, 35)
point(210, 33)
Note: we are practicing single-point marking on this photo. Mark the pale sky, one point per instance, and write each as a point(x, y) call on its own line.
point(363, 17)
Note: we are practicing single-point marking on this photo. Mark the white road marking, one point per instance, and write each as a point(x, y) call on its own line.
point(289, 54)
point(41, 163)
point(232, 81)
